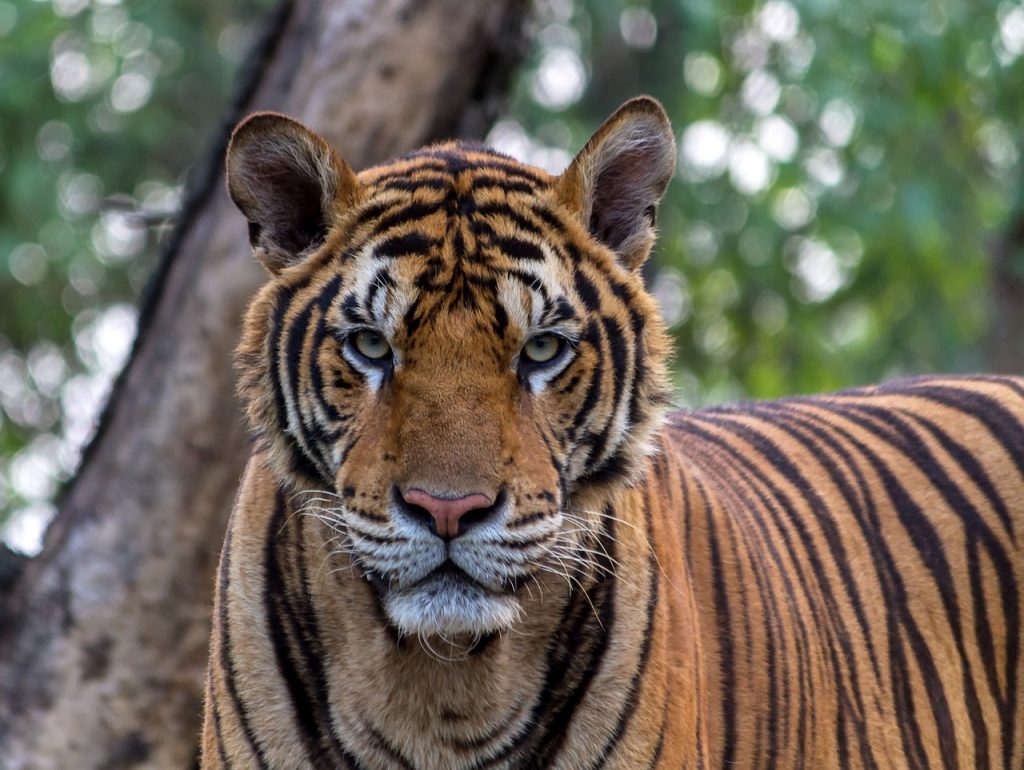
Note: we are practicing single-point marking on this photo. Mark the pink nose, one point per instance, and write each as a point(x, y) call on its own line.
point(446, 513)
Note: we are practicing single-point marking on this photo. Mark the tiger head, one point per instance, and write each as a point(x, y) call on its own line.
point(455, 357)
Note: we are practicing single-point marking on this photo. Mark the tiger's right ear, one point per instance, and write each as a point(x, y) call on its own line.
point(288, 182)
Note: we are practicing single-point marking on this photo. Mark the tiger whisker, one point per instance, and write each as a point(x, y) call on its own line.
point(574, 584)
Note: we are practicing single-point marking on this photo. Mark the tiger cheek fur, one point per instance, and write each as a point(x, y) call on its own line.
point(470, 537)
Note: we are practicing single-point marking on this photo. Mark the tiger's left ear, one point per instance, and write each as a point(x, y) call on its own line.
point(616, 181)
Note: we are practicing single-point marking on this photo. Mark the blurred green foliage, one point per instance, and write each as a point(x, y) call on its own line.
point(844, 169)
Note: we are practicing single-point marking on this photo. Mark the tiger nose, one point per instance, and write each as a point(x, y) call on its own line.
point(446, 512)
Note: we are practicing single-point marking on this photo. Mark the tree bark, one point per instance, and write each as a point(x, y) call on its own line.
point(1006, 335)
point(104, 635)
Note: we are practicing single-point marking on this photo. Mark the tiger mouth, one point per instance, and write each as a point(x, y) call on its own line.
point(447, 603)
point(447, 573)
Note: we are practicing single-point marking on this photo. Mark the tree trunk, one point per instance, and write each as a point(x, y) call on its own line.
point(104, 635)
point(1006, 336)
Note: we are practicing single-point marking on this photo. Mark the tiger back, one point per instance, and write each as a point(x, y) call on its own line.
point(470, 535)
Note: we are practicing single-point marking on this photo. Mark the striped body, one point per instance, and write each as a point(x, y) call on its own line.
point(858, 561)
point(818, 582)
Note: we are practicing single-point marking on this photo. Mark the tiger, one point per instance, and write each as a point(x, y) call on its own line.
point(473, 534)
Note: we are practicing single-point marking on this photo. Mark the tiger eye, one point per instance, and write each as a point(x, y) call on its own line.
point(371, 344)
point(542, 348)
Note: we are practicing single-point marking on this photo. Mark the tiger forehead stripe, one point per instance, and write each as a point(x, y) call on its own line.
point(488, 169)
point(463, 186)
point(559, 311)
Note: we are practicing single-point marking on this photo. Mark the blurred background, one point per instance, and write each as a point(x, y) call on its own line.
point(846, 209)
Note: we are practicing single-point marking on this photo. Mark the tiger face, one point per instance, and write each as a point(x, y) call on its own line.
point(454, 351)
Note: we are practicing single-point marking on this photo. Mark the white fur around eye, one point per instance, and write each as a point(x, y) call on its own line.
point(370, 354)
point(540, 373)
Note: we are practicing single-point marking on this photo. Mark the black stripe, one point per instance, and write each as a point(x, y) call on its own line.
point(374, 210)
point(637, 397)
point(607, 467)
point(494, 735)
point(306, 432)
point(587, 291)
point(573, 381)
point(295, 633)
point(973, 470)
point(483, 181)
point(214, 708)
point(1001, 422)
point(517, 248)
point(384, 746)
point(381, 280)
point(351, 310)
point(431, 182)
point(530, 281)
point(226, 658)
point(612, 468)
point(279, 613)
point(500, 323)
point(407, 173)
point(593, 336)
point(562, 310)
point(552, 221)
point(517, 218)
point(411, 320)
point(322, 434)
point(723, 618)
point(632, 698)
point(774, 625)
point(458, 245)
point(602, 596)
point(517, 172)
point(409, 244)
point(409, 212)
point(280, 308)
point(300, 463)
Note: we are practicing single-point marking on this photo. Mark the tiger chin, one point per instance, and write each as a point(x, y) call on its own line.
point(470, 534)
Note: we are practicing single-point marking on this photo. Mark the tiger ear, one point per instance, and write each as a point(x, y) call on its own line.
point(616, 181)
point(288, 182)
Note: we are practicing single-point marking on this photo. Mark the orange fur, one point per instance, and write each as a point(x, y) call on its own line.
point(821, 582)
